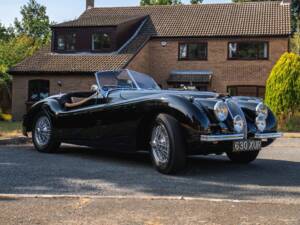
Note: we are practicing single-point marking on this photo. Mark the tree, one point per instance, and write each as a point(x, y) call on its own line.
point(196, 1)
point(34, 23)
point(6, 33)
point(295, 11)
point(283, 86)
point(160, 2)
point(12, 52)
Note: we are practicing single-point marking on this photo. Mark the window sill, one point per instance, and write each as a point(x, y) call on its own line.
point(192, 59)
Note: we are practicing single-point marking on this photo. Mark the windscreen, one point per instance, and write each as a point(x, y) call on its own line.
point(143, 81)
point(115, 80)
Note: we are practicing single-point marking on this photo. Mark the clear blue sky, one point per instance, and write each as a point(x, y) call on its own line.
point(62, 10)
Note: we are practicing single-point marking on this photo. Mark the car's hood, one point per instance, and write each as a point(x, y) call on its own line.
point(139, 93)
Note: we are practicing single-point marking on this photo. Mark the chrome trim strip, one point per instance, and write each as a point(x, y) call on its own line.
point(268, 135)
point(222, 137)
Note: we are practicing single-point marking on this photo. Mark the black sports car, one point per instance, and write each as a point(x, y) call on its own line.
point(127, 111)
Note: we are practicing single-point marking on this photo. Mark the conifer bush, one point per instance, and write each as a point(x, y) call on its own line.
point(283, 86)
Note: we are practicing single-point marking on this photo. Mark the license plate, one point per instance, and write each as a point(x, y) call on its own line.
point(246, 146)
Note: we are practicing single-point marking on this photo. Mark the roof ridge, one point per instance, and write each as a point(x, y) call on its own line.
point(186, 5)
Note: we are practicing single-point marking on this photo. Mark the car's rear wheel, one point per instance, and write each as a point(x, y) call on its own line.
point(242, 157)
point(168, 149)
point(44, 135)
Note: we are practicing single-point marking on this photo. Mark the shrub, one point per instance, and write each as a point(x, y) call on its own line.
point(283, 86)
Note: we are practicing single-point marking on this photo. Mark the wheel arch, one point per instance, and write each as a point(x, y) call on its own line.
point(191, 119)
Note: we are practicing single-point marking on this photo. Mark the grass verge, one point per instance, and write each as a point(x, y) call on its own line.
point(291, 125)
point(10, 129)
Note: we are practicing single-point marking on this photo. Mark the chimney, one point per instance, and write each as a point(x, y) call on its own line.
point(90, 4)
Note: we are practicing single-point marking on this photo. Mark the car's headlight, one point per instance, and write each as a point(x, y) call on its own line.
point(221, 111)
point(262, 110)
point(260, 122)
point(238, 124)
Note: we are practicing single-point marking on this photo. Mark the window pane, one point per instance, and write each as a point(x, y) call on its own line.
point(232, 50)
point(101, 41)
point(60, 43)
point(261, 92)
point(197, 51)
point(232, 91)
point(193, 51)
point(248, 50)
point(38, 90)
point(70, 42)
point(183, 51)
point(66, 42)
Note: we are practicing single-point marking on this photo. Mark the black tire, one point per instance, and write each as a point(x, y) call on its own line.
point(53, 144)
point(242, 157)
point(176, 161)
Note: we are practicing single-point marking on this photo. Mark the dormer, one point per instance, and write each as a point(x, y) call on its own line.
point(94, 34)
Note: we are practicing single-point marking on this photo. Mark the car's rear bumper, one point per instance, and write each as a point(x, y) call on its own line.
point(236, 137)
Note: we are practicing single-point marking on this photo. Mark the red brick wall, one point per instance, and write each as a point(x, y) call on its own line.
point(160, 61)
point(69, 83)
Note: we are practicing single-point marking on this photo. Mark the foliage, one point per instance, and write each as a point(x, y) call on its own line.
point(15, 50)
point(295, 8)
point(6, 33)
point(196, 1)
point(292, 124)
point(34, 23)
point(295, 43)
point(283, 86)
point(11, 53)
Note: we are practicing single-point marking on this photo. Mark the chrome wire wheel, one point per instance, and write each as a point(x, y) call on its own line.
point(42, 131)
point(160, 144)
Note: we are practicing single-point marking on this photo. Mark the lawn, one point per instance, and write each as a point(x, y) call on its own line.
point(10, 129)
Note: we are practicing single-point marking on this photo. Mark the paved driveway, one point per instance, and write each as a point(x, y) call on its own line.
point(274, 177)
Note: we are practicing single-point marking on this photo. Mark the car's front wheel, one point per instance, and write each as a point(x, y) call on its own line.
point(44, 135)
point(242, 157)
point(168, 150)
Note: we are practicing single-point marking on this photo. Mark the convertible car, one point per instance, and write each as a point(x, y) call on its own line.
point(127, 111)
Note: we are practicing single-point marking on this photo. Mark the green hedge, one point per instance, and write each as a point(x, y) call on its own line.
point(283, 85)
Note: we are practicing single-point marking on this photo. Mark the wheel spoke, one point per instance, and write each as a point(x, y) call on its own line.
point(42, 131)
point(160, 144)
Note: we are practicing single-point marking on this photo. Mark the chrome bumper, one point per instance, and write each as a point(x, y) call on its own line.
point(267, 135)
point(235, 137)
point(222, 137)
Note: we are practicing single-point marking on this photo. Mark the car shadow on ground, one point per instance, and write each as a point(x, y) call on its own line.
point(88, 171)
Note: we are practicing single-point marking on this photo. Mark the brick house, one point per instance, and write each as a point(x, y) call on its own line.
point(223, 47)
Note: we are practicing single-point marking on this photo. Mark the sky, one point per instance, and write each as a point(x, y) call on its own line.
point(63, 10)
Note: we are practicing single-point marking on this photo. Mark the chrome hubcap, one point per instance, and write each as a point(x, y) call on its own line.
point(42, 131)
point(160, 144)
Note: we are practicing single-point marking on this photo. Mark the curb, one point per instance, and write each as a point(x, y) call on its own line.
point(142, 197)
point(15, 141)
point(291, 135)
